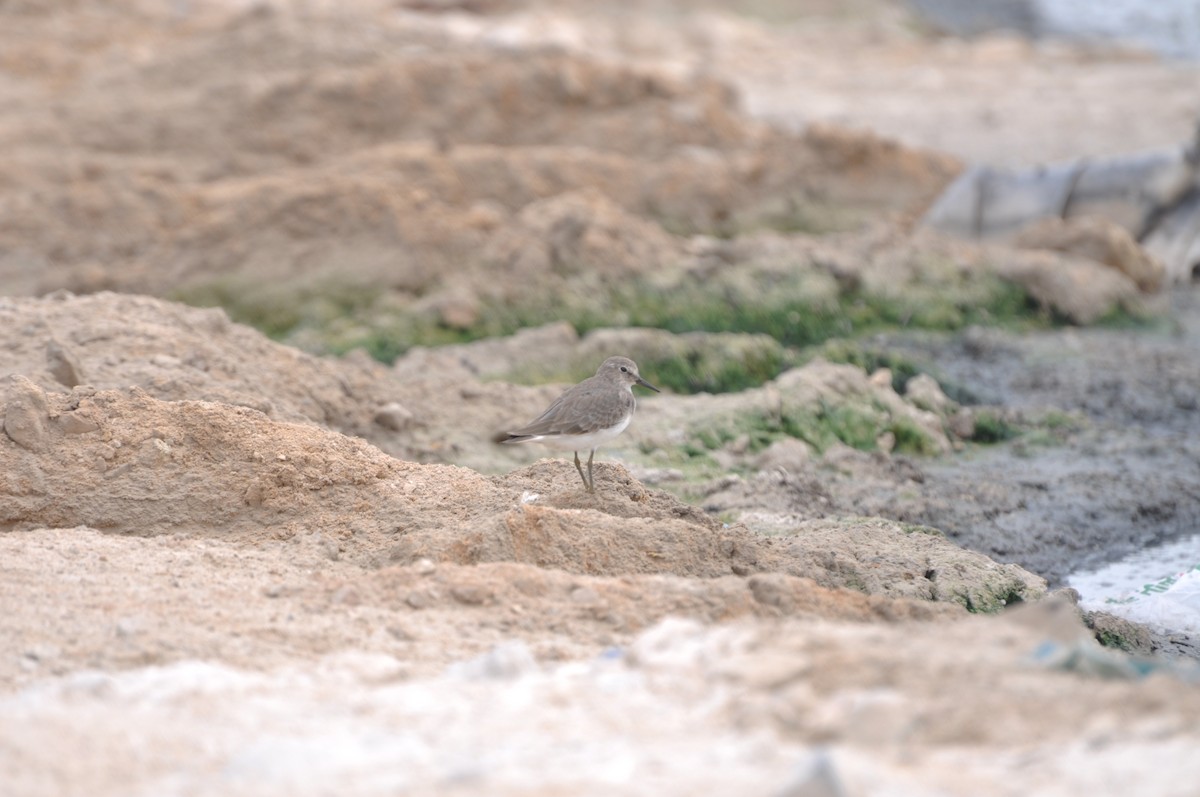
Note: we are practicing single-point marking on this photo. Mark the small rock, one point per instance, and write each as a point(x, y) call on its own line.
point(962, 424)
point(1080, 289)
point(63, 364)
point(76, 423)
point(419, 600)
point(881, 378)
point(458, 312)
point(166, 361)
point(772, 589)
point(424, 567)
point(154, 452)
point(741, 568)
point(585, 595)
point(1100, 240)
point(215, 319)
point(400, 633)
point(924, 391)
point(254, 494)
point(26, 415)
point(470, 594)
point(485, 216)
point(394, 416)
point(789, 454)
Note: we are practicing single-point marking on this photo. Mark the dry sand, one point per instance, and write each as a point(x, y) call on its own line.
point(231, 567)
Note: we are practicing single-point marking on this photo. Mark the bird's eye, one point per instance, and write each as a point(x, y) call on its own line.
point(624, 370)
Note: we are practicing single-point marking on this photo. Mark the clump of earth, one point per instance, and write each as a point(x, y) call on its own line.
point(274, 276)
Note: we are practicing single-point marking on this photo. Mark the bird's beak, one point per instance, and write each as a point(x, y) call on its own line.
point(644, 383)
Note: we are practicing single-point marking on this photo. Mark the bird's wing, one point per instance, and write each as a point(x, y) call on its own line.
point(590, 409)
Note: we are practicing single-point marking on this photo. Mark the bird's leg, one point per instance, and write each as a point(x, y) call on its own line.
point(591, 478)
point(579, 467)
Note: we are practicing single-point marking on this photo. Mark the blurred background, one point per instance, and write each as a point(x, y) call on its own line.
point(380, 174)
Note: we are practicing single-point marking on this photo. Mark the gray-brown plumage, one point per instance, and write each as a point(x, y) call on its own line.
point(591, 413)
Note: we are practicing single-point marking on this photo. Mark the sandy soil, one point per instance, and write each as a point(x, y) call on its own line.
point(998, 100)
point(228, 566)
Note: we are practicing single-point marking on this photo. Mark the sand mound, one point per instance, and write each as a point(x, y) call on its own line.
point(158, 599)
point(176, 352)
point(126, 463)
point(163, 168)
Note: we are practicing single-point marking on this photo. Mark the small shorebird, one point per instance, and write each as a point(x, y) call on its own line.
point(587, 415)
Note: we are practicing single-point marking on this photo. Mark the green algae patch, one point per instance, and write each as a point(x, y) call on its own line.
point(910, 438)
point(1023, 430)
point(993, 427)
point(792, 305)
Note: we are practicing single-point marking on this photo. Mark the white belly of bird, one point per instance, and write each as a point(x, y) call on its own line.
point(583, 442)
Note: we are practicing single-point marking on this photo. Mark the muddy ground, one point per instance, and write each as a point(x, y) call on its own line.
point(1118, 476)
point(236, 562)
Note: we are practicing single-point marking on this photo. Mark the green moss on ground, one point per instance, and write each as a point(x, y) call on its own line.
point(911, 438)
point(789, 215)
point(1024, 431)
point(985, 602)
point(696, 373)
point(854, 424)
point(797, 308)
point(1111, 639)
point(992, 427)
point(917, 528)
point(272, 311)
